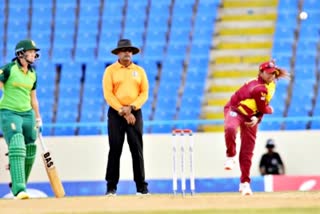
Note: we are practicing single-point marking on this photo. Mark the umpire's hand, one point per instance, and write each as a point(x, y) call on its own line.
point(130, 118)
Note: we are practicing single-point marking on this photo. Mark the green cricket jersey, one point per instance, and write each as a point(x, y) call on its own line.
point(17, 87)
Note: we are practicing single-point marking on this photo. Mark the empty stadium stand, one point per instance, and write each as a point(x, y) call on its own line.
point(195, 53)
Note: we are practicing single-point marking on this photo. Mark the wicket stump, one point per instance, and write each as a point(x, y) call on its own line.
point(182, 138)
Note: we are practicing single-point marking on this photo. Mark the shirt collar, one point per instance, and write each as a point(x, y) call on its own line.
point(122, 66)
point(20, 66)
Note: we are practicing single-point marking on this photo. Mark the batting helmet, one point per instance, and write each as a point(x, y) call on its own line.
point(25, 45)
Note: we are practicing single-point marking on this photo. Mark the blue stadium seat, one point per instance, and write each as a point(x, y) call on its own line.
point(87, 40)
point(63, 39)
point(89, 117)
point(93, 90)
point(164, 114)
point(136, 37)
point(268, 125)
point(309, 32)
point(46, 117)
point(295, 125)
point(282, 47)
point(193, 88)
point(200, 50)
point(203, 35)
point(61, 55)
point(87, 33)
point(179, 36)
point(284, 32)
point(311, 5)
point(288, 5)
point(189, 100)
point(85, 54)
point(44, 53)
point(196, 74)
point(42, 39)
point(285, 18)
point(304, 72)
point(17, 26)
point(176, 51)
point(306, 59)
point(66, 9)
point(71, 73)
point(189, 113)
point(94, 73)
point(41, 20)
point(154, 50)
point(171, 71)
point(66, 113)
point(156, 37)
point(283, 59)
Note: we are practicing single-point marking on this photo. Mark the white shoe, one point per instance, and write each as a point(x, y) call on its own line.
point(245, 189)
point(229, 163)
point(22, 195)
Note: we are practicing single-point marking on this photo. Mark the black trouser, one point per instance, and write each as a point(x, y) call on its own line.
point(117, 128)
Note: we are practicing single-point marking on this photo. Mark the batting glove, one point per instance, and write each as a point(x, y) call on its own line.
point(39, 124)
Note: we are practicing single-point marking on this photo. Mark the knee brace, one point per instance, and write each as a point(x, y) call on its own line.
point(17, 154)
point(31, 150)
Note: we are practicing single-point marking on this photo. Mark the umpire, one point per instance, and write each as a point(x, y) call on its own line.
point(125, 89)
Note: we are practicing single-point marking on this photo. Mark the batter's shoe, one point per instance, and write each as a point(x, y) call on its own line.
point(229, 163)
point(245, 189)
point(22, 196)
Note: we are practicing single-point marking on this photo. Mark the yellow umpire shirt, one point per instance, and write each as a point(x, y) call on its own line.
point(125, 86)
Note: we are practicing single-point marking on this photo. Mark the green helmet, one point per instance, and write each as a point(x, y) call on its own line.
point(25, 45)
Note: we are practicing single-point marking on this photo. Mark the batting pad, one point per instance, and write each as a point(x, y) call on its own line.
point(31, 150)
point(17, 154)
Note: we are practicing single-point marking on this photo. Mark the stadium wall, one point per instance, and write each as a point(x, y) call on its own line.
point(83, 160)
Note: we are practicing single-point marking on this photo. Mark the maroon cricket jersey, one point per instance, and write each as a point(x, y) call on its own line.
point(253, 98)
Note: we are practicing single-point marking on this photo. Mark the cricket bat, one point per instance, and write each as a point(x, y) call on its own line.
point(52, 173)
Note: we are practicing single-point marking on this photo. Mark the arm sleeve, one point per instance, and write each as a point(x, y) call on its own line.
point(4, 73)
point(262, 161)
point(260, 96)
point(35, 82)
point(279, 159)
point(144, 91)
point(107, 87)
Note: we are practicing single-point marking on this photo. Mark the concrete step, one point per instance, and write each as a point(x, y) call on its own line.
point(243, 24)
point(212, 109)
point(240, 38)
point(242, 53)
point(246, 11)
point(239, 59)
point(234, 67)
point(223, 88)
point(249, 3)
point(233, 74)
point(246, 31)
point(217, 102)
point(243, 45)
point(227, 81)
point(213, 115)
point(220, 95)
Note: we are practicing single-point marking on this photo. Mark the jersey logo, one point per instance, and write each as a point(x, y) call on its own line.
point(135, 73)
point(1, 71)
point(233, 114)
point(263, 96)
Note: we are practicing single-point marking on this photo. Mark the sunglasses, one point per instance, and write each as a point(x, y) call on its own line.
point(125, 50)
